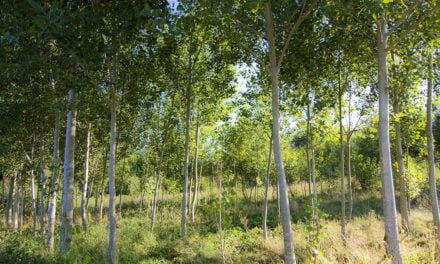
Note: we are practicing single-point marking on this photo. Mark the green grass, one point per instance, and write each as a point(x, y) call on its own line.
point(243, 236)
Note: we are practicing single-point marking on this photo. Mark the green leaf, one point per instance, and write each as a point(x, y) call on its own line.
point(387, 1)
point(36, 6)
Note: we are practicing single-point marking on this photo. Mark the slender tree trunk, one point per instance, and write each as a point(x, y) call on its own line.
point(311, 163)
point(389, 203)
point(349, 154)
point(191, 177)
point(89, 192)
point(75, 199)
point(196, 160)
point(431, 160)
point(220, 212)
point(289, 253)
point(4, 199)
point(101, 200)
point(69, 172)
point(95, 208)
point(41, 188)
point(33, 200)
point(16, 204)
point(350, 187)
point(401, 167)
point(266, 188)
point(122, 189)
point(308, 147)
point(142, 194)
point(22, 207)
point(156, 188)
point(10, 200)
point(313, 172)
point(53, 184)
point(100, 188)
point(186, 161)
point(278, 198)
point(111, 179)
point(86, 180)
point(200, 183)
point(341, 159)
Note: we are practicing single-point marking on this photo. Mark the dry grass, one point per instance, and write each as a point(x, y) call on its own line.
point(365, 241)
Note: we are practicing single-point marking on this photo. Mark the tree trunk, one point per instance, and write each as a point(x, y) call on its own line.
point(289, 254)
point(41, 188)
point(401, 167)
point(69, 172)
point(22, 192)
point(349, 154)
point(100, 188)
point(199, 183)
point(220, 212)
point(266, 188)
point(313, 172)
point(311, 162)
point(431, 161)
point(308, 147)
point(156, 188)
point(186, 161)
point(195, 167)
point(389, 203)
point(89, 192)
point(122, 189)
point(16, 204)
point(86, 180)
point(33, 200)
point(111, 179)
point(10, 200)
point(95, 208)
point(350, 184)
point(190, 187)
point(53, 184)
point(341, 159)
point(101, 200)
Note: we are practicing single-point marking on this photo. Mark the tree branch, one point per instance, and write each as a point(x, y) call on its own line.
point(404, 33)
point(246, 47)
point(409, 12)
point(294, 28)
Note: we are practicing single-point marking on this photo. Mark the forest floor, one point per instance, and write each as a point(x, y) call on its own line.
point(241, 232)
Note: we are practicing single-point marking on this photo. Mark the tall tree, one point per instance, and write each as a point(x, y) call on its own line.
point(69, 172)
point(53, 183)
point(430, 144)
point(86, 179)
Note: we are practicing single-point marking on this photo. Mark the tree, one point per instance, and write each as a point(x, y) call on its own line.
point(69, 171)
point(430, 144)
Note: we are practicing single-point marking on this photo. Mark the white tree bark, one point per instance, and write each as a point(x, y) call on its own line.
point(431, 161)
point(41, 188)
point(86, 179)
point(69, 171)
point(10, 200)
point(289, 254)
point(16, 204)
point(195, 167)
point(156, 188)
point(111, 177)
point(32, 188)
point(341, 159)
point(22, 195)
point(401, 168)
point(389, 203)
point(53, 184)
point(186, 160)
point(266, 188)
